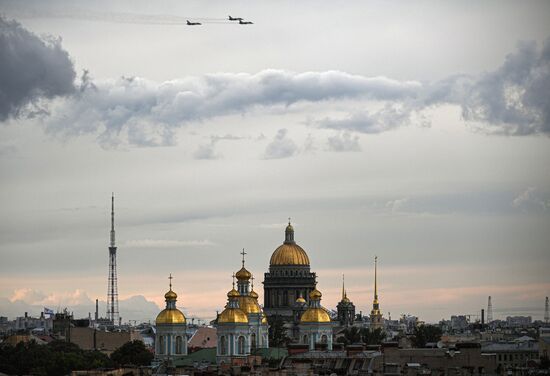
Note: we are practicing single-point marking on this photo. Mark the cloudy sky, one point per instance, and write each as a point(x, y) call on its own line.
point(415, 131)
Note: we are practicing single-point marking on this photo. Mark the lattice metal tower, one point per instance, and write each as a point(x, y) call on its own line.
point(489, 310)
point(546, 313)
point(112, 292)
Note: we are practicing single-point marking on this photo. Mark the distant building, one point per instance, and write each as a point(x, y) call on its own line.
point(171, 340)
point(288, 278)
point(375, 315)
point(345, 308)
point(315, 324)
point(518, 321)
point(513, 354)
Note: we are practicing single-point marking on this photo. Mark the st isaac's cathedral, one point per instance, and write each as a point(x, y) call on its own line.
point(290, 295)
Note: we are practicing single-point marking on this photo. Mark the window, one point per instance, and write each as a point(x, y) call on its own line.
point(179, 345)
point(305, 339)
point(240, 345)
point(223, 346)
point(162, 344)
point(253, 340)
point(324, 339)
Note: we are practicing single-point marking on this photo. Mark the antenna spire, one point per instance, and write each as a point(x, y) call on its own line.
point(375, 278)
point(113, 220)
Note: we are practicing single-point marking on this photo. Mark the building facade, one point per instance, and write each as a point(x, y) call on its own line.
point(171, 325)
point(315, 324)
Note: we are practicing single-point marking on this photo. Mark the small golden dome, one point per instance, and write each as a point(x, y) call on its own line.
point(249, 305)
point(254, 294)
point(170, 295)
point(346, 300)
point(315, 315)
point(264, 318)
point(243, 274)
point(233, 293)
point(289, 228)
point(232, 315)
point(315, 294)
point(300, 300)
point(170, 316)
point(289, 254)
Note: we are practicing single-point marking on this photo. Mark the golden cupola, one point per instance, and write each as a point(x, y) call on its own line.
point(289, 253)
point(232, 314)
point(170, 315)
point(248, 300)
point(315, 313)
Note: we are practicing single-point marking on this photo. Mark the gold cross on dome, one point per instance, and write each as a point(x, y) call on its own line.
point(170, 278)
point(243, 253)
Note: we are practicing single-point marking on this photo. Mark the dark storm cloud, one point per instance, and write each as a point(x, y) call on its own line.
point(30, 68)
point(515, 98)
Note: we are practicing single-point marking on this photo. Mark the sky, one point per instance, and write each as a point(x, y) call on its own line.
point(414, 131)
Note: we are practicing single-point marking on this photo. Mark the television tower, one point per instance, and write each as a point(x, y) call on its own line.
point(112, 293)
point(489, 311)
point(546, 313)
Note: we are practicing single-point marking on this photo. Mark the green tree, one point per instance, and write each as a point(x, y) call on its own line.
point(373, 337)
point(134, 353)
point(277, 333)
point(424, 334)
point(352, 335)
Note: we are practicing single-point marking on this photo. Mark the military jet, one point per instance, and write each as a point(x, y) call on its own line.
point(193, 23)
point(234, 18)
point(241, 22)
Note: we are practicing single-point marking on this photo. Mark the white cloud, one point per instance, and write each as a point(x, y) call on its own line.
point(397, 205)
point(531, 200)
point(281, 146)
point(344, 142)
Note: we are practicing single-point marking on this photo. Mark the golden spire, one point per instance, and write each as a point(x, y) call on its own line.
point(375, 285)
point(343, 287)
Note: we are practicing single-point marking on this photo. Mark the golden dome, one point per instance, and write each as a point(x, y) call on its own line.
point(170, 295)
point(315, 294)
point(232, 315)
point(233, 293)
point(315, 315)
point(346, 300)
point(170, 316)
point(254, 294)
point(243, 274)
point(249, 305)
point(289, 228)
point(264, 318)
point(300, 300)
point(289, 254)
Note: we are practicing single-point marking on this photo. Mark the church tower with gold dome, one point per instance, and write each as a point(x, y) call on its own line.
point(315, 324)
point(242, 326)
point(170, 339)
point(288, 279)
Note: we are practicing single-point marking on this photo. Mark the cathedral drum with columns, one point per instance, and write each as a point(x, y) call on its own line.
point(170, 339)
point(288, 279)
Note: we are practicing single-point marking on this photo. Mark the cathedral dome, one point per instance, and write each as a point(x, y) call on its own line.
point(232, 315)
point(313, 315)
point(254, 294)
point(170, 295)
point(170, 316)
point(315, 294)
point(289, 253)
point(243, 274)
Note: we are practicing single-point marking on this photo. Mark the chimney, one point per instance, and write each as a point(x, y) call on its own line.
point(482, 317)
point(26, 314)
point(96, 310)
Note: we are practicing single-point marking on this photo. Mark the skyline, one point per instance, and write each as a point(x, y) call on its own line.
point(414, 132)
